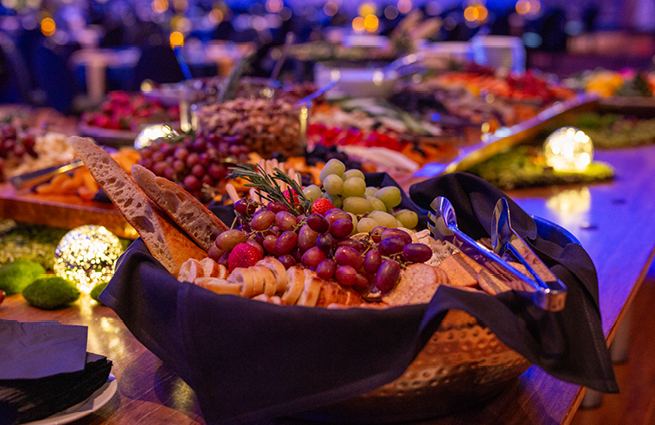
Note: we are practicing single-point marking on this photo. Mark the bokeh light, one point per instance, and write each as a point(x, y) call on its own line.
point(371, 23)
point(274, 6)
point(391, 12)
point(176, 39)
point(48, 26)
point(159, 6)
point(568, 150)
point(330, 8)
point(358, 24)
point(366, 9)
point(404, 6)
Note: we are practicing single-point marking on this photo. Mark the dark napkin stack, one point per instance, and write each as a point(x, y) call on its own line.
point(45, 369)
point(248, 360)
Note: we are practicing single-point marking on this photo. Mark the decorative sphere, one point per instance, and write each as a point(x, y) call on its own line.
point(569, 150)
point(86, 256)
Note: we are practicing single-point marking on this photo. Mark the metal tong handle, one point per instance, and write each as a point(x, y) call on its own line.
point(305, 100)
point(443, 225)
point(504, 239)
point(33, 178)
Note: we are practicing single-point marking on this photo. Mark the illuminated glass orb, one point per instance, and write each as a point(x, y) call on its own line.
point(86, 256)
point(569, 150)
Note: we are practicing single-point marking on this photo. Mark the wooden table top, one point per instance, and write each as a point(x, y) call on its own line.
point(612, 220)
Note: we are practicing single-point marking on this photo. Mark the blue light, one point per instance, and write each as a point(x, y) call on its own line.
point(436, 117)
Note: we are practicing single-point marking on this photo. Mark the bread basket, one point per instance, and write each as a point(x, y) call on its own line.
point(462, 364)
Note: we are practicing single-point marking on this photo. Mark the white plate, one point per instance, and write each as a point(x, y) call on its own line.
point(98, 399)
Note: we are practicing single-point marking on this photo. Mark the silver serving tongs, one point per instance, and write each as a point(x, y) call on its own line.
point(443, 225)
point(549, 291)
point(23, 181)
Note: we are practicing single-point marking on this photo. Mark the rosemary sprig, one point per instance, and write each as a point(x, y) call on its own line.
point(268, 186)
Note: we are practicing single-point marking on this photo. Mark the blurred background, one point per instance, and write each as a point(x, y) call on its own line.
point(68, 54)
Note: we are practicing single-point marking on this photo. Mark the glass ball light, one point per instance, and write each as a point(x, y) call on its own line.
point(86, 256)
point(568, 150)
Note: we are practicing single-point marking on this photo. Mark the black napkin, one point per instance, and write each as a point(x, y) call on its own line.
point(32, 350)
point(45, 369)
point(35, 399)
point(249, 360)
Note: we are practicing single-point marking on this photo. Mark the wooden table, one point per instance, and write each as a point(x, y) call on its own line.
point(613, 221)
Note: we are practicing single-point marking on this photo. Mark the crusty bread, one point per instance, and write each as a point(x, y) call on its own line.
point(189, 213)
point(166, 242)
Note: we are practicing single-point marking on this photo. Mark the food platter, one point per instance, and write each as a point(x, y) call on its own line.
point(108, 136)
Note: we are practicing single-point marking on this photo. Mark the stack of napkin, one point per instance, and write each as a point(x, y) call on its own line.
point(44, 369)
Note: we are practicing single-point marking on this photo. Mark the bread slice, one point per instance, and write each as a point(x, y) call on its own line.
point(166, 242)
point(189, 213)
point(217, 285)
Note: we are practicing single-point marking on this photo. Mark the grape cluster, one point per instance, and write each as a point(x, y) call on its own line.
point(15, 143)
point(370, 206)
point(370, 262)
point(195, 164)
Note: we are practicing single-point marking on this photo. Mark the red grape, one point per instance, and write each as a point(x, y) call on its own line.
point(326, 269)
point(178, 165)
point(286, 242)
point(361, 283)
point(372, 261)
point(285, 220)
point(347, 256)
point(306, 238)
point(191, 183)
point(318, 223)
point(376, 233)
point(336, 214)
point(389, 233)
point(353, 243)
point(214, 253)
point(387, 275)
point(229, 239)
point(276, 207)
point(181, 153)
point(342, 228)
point(169, 173)
point(198, 170)
point(262, 220)
point(269, 244)
point(287, 261)
point(192, 159)
point(313, 257)
point(146, 162)
point(159, 168)
point(392, 245)
point(256, 245)
point(325, 242)
point(346, 275)
point(417, 252)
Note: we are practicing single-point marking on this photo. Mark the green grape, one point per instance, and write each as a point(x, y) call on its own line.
point(354, 218)
point(333, 166)
point(370, 191)
point(354, 186)
point(353, 173)
point(356, 205)
point(376, 204)
point(384, 219)
point(312, 192)
point(336, 200)
point(390, 195)
point(399, 224)
point(333, 184)
point(407, 218)
point(366, 225)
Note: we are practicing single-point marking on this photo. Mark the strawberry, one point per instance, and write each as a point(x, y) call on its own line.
point(244, 255)
point(2, 296)
point(295, 195)
point(321, 206)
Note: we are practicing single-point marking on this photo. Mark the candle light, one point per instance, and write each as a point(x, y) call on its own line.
point(569, 150)
point(86, 256)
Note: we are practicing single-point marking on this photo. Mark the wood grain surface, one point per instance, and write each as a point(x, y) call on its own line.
point(67, 211)
point(612, 220)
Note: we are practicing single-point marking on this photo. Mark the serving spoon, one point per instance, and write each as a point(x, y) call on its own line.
point(443, 225)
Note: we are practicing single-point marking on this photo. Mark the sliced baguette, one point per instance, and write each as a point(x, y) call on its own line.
point(189, 213)
point(166, 242)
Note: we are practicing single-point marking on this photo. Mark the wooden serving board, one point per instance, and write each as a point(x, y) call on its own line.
point(67, 211)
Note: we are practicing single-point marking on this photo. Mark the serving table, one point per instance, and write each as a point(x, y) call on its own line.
point(612, 220)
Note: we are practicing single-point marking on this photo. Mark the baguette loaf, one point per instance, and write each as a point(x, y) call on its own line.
point(189, 213)
point(166, 242)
